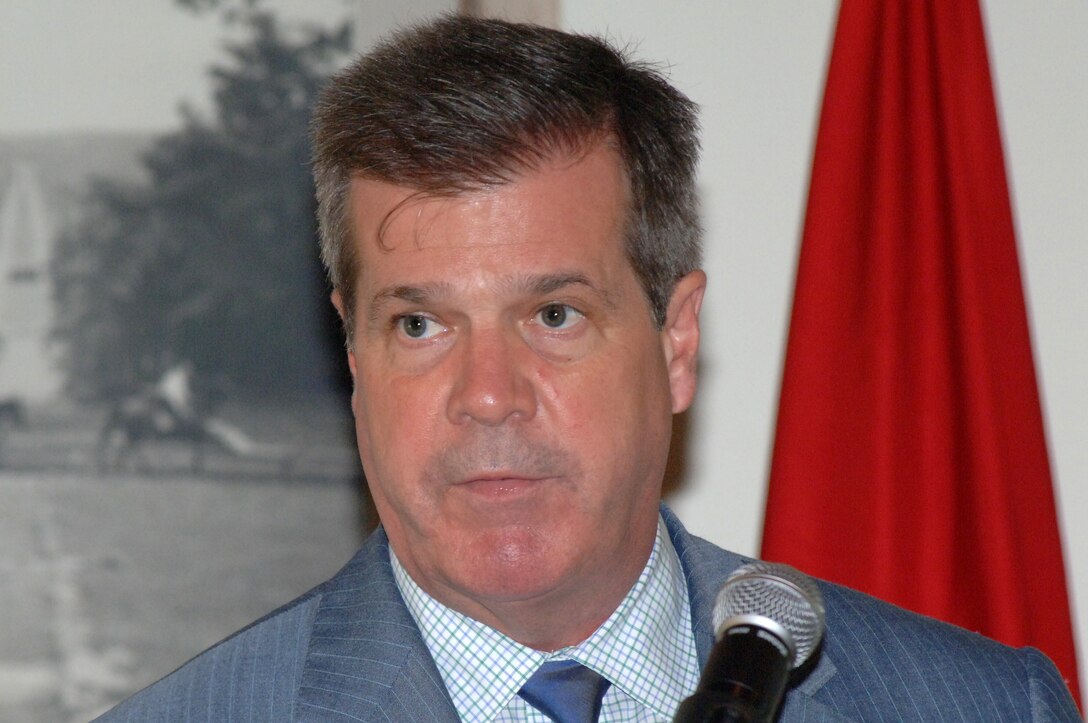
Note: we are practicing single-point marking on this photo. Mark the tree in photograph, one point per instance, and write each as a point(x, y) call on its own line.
point(214, 257)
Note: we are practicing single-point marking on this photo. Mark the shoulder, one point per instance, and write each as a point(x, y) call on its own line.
point(894, 664)
point(256, 666)
point(881, 662)
point(255, 673)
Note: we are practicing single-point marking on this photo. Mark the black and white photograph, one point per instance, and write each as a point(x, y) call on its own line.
point(176, 453)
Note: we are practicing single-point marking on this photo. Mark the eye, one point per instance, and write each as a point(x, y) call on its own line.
point(558, 316)
point(418, 326)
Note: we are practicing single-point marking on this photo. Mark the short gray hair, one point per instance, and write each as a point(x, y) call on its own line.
point(466, 103)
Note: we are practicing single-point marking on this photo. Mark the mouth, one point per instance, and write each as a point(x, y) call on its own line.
point(500, 485)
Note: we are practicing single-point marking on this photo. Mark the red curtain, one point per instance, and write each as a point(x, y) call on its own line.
point(910, 459)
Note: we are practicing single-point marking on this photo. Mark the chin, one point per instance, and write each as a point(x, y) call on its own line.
point(514, 565)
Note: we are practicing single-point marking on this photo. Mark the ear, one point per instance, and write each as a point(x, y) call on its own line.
point(338, 302)
point(680, 338)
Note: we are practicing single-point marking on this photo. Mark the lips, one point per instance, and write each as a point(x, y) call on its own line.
point(504, 485)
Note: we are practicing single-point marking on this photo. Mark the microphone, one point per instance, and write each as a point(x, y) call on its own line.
point(768, 619)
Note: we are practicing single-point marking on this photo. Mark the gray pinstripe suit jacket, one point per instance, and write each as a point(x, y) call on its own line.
point(349, 651)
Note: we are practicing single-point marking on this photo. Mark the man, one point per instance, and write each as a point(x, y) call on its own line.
point(173, 397)
point(508, 219)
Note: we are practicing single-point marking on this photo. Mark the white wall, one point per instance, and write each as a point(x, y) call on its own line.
point(375, 18)
point(757, 69)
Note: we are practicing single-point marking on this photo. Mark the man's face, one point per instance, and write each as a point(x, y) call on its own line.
point(513, 398)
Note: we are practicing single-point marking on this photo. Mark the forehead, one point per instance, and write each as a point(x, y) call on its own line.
point(571, 205)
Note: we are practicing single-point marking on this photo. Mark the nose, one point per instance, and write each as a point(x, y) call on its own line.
point(492, 383)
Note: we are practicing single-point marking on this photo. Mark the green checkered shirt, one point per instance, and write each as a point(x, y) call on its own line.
point(646, 649)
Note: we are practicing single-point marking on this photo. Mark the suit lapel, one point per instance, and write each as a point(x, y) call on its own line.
point(706, 568)
point(367, 660)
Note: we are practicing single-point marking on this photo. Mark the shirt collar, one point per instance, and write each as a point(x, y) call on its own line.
point(646, 648)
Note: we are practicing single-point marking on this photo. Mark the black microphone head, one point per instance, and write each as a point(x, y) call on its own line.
point(775, 596)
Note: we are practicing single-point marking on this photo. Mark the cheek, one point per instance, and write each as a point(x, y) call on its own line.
point(394, 420)
point(615, 410)
point(395, 440)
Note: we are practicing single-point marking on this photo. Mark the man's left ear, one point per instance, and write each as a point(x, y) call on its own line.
point(680, 338)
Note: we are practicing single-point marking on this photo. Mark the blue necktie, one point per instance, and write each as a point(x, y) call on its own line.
point(566, 691)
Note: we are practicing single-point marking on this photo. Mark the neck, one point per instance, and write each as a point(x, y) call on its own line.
point(556, 620)
point(550, 619)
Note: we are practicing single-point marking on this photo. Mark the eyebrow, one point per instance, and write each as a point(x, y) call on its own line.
point(528, 284)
